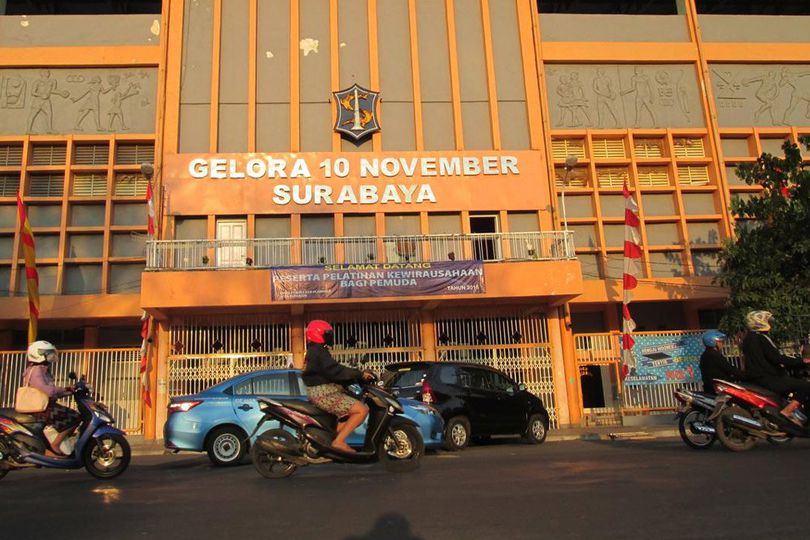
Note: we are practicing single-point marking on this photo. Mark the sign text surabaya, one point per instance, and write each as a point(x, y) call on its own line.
point(258, 168)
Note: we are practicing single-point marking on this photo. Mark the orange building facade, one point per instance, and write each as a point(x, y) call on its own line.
point(480, 104)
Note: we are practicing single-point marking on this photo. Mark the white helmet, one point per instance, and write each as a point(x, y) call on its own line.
point(42, 351)
point(759, 321)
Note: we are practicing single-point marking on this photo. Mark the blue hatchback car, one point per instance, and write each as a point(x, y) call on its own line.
point(217, 420)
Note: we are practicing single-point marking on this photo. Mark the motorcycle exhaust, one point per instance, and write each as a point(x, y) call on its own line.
point(703, 428)
point(278, 447)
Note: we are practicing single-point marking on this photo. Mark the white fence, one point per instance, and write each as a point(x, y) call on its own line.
point(190, 374)
point(114, 375)
point(269, 252)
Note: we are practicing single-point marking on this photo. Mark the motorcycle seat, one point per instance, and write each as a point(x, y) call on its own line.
point(20, 418)
point(763, 391)
point(304, 407)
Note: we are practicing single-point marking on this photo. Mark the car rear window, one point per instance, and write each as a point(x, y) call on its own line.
point(406, 376)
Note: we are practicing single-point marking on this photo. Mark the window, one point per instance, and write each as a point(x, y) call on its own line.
point(625, 7)
point(82, 7)
point(244, 388)
point(46, 185)
point(10, 155)
point(134, 154)
point(91, 154)
point(753, 7)
point(48, 154)
point(89, 184)
point(9, 184)
point(130, 185)
point(277, 384)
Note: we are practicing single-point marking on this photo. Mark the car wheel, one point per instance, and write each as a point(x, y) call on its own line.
point(226, 446)
point(456, 433)
point(536, 429)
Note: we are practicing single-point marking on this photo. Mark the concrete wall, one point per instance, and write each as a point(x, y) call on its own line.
point(567, 27)
point(78, 30)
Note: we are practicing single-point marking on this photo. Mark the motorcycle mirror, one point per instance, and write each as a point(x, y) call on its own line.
point(72, 375)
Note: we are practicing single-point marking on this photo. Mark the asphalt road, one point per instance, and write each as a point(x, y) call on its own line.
point(602, 489)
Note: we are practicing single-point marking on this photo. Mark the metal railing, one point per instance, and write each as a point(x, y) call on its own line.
point(269, 252)
point(190, 374)
point(114, 375)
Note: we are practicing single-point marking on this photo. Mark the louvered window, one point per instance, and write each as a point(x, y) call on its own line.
point(48, 154)
point(609, 149)
point(134, 154)
point(689, 148)
point(648, 148)
point(9, 184)
point(562, 148)
point(653, 177)
point(90, 184)
point(10, 155)
point(577, 178)
point(611, 177)
point(693, 176)
point(130, 185)
point(91, 154)
point(46, 185)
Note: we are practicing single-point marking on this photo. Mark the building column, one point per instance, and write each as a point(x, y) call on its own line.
point(428, 330)
point(297, 338)
point(156, 415)
point(90, 337)
point(566, 373)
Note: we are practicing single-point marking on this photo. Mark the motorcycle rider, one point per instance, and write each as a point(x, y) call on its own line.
point(713, 365)
point(323, 377)
point(41, 355)
point(765, 365)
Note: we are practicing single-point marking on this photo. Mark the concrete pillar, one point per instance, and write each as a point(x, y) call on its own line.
point(566, 385)
point(297, 326)
point(161, 392)
point(91, 337)
point(426, 321)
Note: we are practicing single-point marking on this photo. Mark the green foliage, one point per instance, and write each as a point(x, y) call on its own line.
point(767, 266)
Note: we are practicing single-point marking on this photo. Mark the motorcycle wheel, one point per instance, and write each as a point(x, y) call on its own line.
point(107, 458)
point(402, 448)
point(732, 437)
point(695, 439)
point(270, 465)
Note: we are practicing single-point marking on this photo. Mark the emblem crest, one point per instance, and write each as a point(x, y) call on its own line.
point(356, 112)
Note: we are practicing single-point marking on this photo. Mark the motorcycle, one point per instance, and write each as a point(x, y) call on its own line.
point(100, 448)
point(746, 413)
point(693, 418)
point(391, 438)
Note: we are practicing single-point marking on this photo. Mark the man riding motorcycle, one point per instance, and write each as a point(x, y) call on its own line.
point(713, 365)
point(765, 365)
point(323, 377)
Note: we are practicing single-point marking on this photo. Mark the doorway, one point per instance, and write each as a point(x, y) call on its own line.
point(486, 243)
point(232, 248)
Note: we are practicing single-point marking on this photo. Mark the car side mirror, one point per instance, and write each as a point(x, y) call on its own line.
point(522, 387)
point(72, 376)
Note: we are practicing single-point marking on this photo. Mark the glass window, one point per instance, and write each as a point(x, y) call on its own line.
point(448, 375)
point(82, 279)
point(125, 278)
point(408, 377)
point(129, 214)
point(87, 215)
point(277, 384)
point(244, 388)
point(45, 215)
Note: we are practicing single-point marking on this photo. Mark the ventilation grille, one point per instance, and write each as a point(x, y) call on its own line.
point(130, 185)
point(134, 154)
point(91, 154)
point(577, 178)
point(46, 185)
point(693, 176)
point(10, 155)
point(653, 177)
point(90, 184)
point(609, 149)
point(689, 148)
point(562, 148)
point(611, 177)
point(648, 148)
point(9, 184)
point(51, 154)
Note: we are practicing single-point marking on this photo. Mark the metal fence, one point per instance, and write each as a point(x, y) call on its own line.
point(190, 374)
point(269, 252)
point(114, 375)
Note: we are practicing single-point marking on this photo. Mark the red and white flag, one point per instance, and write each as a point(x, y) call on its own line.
point(632, 269)
point(145, 364)
point(150, 204)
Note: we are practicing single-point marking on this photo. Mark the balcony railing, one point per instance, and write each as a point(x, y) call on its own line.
point(269, 252)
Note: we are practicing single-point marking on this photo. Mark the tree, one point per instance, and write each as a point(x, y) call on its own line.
point(767, 266)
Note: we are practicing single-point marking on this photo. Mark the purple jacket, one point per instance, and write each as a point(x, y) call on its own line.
point(42, 380)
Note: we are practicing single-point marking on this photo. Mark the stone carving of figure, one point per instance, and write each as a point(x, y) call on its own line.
point(566, 93)
point(683, 96)
point(118, 99)
point(605, 98)
point(580, 102)
point(641, 86)
point(798, 93)
point(766, 94)
point(12, 93)
point(41, 92)
point(91, 103)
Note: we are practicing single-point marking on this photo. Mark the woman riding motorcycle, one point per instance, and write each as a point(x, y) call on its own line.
point(765, 365)
point(41, 355)
point(713, 365)
point(323, 377)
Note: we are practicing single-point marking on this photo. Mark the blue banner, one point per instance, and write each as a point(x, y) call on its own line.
point(666, 359)
point(377, 280)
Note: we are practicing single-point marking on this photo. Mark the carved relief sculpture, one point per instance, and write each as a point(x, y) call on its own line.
point(41, 92)
point(605, 98)
point(644, 97)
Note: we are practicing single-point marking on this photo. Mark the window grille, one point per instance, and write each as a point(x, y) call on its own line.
point(609, 149)
point(130, 185)
point(46, 185)
point(9, 184)
point(10, 155)
point(90, 184)
point(134, 154)
point(693, 176)
point(653, 177)
point(648, 148)
point(48, 154)
point(689, 148)
point(91, 154)
point(577, 178)
point(611, 177)
point(562, 148)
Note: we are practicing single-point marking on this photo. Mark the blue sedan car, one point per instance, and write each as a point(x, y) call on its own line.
point(219, 419)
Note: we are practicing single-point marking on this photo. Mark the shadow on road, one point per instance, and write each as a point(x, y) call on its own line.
point(391, 526)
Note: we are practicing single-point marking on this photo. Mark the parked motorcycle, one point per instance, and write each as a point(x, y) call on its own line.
point(693, 418)
point(391, 438)
point(100, 448)
point(746, 413)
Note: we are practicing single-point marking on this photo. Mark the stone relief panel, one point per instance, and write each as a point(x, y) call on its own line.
point(623, 96)
point(761, 95)
point(93, 100)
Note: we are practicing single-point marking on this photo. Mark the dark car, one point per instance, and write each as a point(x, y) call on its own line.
point(475, 401)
